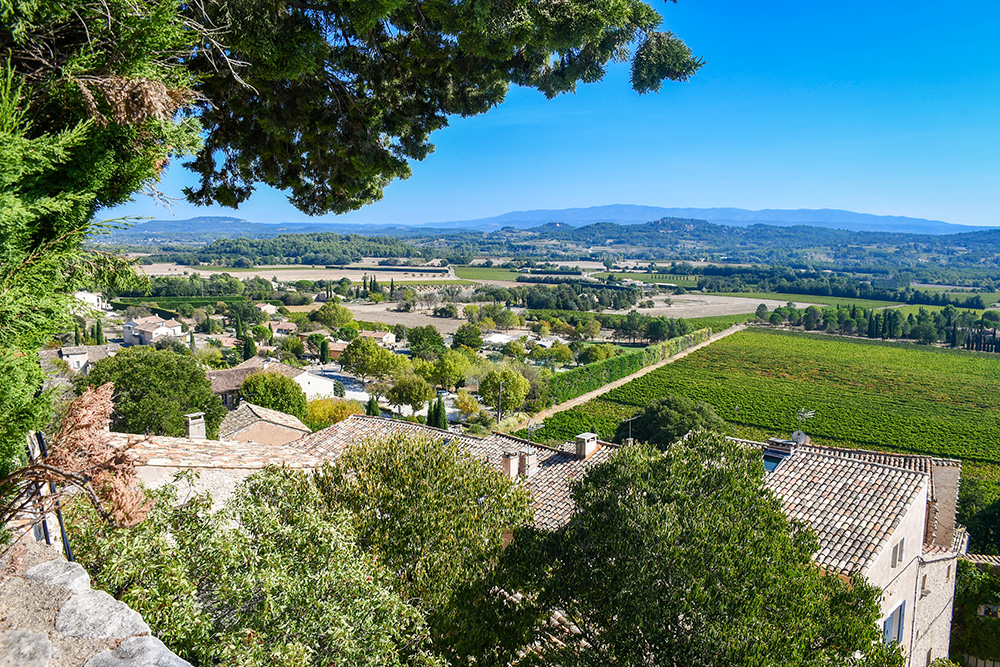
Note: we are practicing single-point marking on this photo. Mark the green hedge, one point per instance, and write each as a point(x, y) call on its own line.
point(195, 301)
point(579, 381)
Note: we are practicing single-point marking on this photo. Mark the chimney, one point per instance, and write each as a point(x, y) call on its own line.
point(586, 444)
point(195, 425)
point(527, 461)
point(510, 463)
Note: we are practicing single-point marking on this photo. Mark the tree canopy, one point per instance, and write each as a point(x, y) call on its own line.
point(276, 392)
point(154, 389)
point(687, 558)
point(668, 419)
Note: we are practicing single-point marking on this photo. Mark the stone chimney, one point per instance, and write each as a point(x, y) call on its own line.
point(195, 425)
point(527, 462)
point(586, 444)
point(510, 463)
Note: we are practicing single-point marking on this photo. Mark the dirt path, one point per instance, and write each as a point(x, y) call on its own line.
point(580, 400)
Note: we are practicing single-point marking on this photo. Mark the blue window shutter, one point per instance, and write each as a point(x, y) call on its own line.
point(902, 615)
point(887, 630)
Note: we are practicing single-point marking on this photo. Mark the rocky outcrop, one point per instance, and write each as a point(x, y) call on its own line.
point(51, 617)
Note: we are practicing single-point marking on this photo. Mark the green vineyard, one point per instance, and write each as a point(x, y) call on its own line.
point(865, 394)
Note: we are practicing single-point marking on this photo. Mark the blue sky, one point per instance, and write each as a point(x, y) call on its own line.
point(877, 107)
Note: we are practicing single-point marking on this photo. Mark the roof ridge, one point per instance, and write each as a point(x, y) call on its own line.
point(868, 463)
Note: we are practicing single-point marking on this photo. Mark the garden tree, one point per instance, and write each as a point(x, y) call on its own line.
point(315, 341)
point(467, 404)
point(468, 335)
point(324, 351)
point(444, 554)
point(425, 342)
point(513, 349)
point(471, 312)
point(368, 360)
point(561, 354)
point(504, 319)
point(589, 329)
point(347, 333)
point(276, 392)
point(592, 353)
point(262, 333)
point(332, 315)
point(973, 633)
point(503, 388)
point(451, 369)
point(274, 578)
point(650, 528)
point(761, 313)
point(399, 331)
point(322, 412)
point(668, 419)
point(410, 389)
point(371, 407)
point(154, 389)
point(243, 312)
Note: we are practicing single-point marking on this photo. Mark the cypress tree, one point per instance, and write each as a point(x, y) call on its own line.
point(373, 285)
point(392, 286)
point(431, 413)
point(101, 340)
point(324, 352)
point(441, 415)
point(372, 409)
point(194, 348)
point(76, 334)
point(249, 347)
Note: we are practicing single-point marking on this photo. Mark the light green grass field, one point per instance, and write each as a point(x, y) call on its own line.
point(485, 273)
point(809, 298)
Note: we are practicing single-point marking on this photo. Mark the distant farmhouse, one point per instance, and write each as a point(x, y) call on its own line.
point(148, 330)
point(81, 358)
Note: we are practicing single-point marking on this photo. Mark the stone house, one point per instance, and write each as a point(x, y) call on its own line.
point(226, 382)
point(383, 338)
point(81, 358)
point(147, 330)
point(888, 517)
point(282, 328)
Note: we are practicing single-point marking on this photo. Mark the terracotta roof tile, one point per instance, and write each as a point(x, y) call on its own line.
point(549, 484)
point(853, 505)
point(248, 414)
point(162, 451)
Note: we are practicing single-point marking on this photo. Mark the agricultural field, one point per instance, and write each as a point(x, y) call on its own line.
point(866, 394)
point(679, 280)
point(811, 298)
point(485, 273)
point(719, 322)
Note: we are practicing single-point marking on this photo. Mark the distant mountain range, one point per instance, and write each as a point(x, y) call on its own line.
point(208, 228)
point(734, 217)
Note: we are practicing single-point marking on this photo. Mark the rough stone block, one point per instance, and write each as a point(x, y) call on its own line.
point(138, 652)
point(20, 648)
point(96, 615)
point(60, 573)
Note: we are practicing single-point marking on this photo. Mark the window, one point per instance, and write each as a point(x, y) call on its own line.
point(773, 459)
point(897, 553)
point(989, 610)
point(928, 663)
point(892, 629)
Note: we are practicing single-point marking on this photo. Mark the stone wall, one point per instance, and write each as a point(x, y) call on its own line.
point(935, 598)
point(51, 617)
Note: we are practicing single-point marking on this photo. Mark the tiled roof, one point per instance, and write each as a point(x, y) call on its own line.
point(162, 451)
point(72, 351)
point(852, 505)
point(228, 379)
point(249, 414)
point(271, 366)
point(982, 559)
point(549, 484)
point(914, 462)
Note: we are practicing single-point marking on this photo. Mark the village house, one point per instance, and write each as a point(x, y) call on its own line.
point(226, 382)
point(890, 518)
point(268, 308)
point(81, 358)
point(252, 423)
point(147, 330)
point(282, 328)
point(383, 338)
point(92, 300)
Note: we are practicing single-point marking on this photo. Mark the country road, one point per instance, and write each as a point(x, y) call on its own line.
point(583, 398)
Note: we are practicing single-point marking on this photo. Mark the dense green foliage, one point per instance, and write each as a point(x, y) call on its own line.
point(275, 578)
point(154, 389)
point(972, 634)
point(442, 555)
point(578, 381)
point(668, 419)
point(276, 392)
point(321, 248)
point(641, 569)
